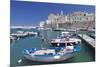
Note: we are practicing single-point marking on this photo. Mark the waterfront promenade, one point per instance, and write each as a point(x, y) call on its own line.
point(88, 39)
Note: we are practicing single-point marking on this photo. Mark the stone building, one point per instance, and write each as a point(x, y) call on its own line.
point(82, 20)
point(75, 20)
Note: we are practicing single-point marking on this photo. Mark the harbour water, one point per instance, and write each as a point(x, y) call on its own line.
point(87, 53)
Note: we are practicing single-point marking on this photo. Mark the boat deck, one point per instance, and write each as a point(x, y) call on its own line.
point(42, 52)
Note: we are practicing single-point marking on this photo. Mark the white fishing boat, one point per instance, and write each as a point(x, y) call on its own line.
point(19, 34)
point(24, 34)
point(49, 55)
point(53, 54)
point(64, 34)
point(31, 33)
point(68, 34)
point(61, 42)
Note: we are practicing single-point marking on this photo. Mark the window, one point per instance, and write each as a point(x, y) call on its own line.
point(84, 14)
point(68, 44)
point(62, 44)
point(54, 44)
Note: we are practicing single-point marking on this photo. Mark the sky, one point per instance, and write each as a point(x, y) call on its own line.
point(31, 13)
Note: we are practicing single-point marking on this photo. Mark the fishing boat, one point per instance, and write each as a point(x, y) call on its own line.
point(53, 54)
point(68, 34)
point(66, 38)
point(61, 42)
point(50, 55)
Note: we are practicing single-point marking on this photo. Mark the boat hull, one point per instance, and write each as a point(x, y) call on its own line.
point(50, 58)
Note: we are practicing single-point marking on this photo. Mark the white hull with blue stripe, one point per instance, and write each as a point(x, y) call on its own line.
point(49, 55)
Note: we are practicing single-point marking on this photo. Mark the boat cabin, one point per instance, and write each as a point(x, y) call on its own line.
point(64, 42)
point(64, 34)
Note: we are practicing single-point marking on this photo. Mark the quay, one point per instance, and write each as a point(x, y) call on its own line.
point(88, 39)
point(92, 35)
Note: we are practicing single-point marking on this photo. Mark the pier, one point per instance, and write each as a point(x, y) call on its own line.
point(88, 39)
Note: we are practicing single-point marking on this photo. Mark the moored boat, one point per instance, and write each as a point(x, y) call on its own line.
point(61, 42)
point(49, 55)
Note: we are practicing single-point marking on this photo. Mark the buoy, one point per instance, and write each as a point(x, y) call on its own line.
point(20, 60)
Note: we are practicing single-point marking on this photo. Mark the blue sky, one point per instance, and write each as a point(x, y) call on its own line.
point(31, 13)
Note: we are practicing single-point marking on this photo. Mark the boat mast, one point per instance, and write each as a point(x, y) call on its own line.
point(42, 37)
